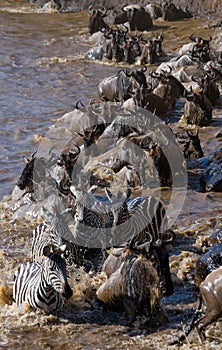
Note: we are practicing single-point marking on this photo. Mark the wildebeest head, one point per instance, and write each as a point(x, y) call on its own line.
point(96, 20)
point(140, 77)
point(69, 157)
point(200, 40)
point(26, 179)
point(193, 147)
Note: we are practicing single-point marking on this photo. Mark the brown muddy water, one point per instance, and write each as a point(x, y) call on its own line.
point(43, 74)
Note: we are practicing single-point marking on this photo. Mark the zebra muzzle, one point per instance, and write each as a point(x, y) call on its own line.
point(67, 293)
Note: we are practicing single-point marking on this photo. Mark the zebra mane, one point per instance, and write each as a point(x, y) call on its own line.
point(57, 222)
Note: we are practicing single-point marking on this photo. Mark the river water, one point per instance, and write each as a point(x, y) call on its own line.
point(43, 75)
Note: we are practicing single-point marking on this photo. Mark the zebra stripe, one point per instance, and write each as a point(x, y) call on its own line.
point(139, 220)
point(98, 212)
point(148, 219)
point(41, 285)
point(44, 235)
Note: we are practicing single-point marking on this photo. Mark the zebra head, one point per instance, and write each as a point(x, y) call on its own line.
point(119, 207)
point(54, 269)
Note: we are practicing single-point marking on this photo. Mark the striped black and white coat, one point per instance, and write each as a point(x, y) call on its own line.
point(148, 221)
point(139, 220)
point(43, 285)
point(57, 233)
point(98, 211)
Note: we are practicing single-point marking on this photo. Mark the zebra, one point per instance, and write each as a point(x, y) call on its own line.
point(138, 220)
point(53, 233)
point(99, 211)
point(43, 285)
point(148, 221)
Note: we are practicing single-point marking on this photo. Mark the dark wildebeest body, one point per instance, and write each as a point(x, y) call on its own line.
point(169, 88)
point(138, 18)
point(96, 21)
point(133, 287)
point(151, 51)
point(191, 147)
point(26, 178)
point(172, 13)
point(197, 109)
point(120, 86)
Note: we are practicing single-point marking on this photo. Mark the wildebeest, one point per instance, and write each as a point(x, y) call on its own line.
point(191, 146)
point(162, 165)
point(151, 51)
point(209, 87)
point(197, 108)
point(26, 178)
point(59, 5)
point(98, 52)
point(138, 18)
point(121, 86)
point(210, 297)
point(169, 88)
point(180, 61)
point(154, 10)
point(172, 13)
point(144, 97)
point(201, 48)
point(133, 287)
point(96, 20)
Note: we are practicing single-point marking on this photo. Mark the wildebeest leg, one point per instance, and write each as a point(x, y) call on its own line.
point(129, 309)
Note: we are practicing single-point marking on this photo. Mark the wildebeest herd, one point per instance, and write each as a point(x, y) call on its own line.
point(97, 179)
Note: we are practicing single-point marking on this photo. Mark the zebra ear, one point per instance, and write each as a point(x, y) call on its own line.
point(46, 250)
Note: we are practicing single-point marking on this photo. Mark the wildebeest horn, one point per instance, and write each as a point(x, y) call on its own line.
point(78, 150)
point(165, 72)
point(103, 12)
point(210, 38)
point(155, 75)
point(216, 70)
point(167, 121)
point(195, 80)
point(33, 154)
point(91, 10)
point(151, 88)
point(211, 75)
point(192, 38)
point(192, 134)
point(144, 69)
point(186, 93)
point(77, 104)
point(127, 29)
